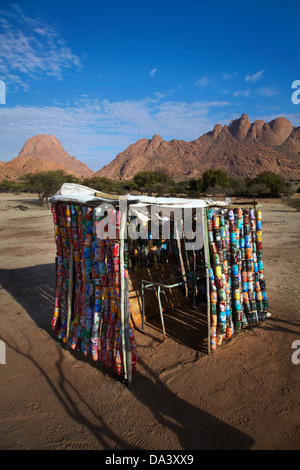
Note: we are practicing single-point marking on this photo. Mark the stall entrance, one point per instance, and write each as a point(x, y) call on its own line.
point(170, 298)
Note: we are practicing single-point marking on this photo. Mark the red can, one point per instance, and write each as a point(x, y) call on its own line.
point(53, 323)
point(116, 249)
point(110, 331)
point(58, 291)
point(118, 218)
point(216, 221)
point(111, 318)
point(109, 359)
point(89, 213)
point(213, 248)
point(78, 268)
point(229, 332)
point(116, 265)
point(59, 270)
point(102, 254)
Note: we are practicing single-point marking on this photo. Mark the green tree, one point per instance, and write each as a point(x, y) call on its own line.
point(146, 180)
point(269, 184)
point(47, 183)
point(237, 187)
point(212, 178)
point(9, 186)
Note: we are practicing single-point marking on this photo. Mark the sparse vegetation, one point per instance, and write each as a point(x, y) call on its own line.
point(45, 184)
point(211, 183)
point(293, 202)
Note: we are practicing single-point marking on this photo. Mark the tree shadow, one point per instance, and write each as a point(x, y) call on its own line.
point(34, 289)
point(78, 410)
point(195, 429)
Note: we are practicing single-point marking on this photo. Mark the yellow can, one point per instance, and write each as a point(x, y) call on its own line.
point(218, 271)
point(106, 292)
point(237, 294)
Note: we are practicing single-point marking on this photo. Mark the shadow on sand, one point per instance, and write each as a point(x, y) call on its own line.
point(34, 289)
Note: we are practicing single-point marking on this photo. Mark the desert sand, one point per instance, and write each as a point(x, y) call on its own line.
point(243, 396)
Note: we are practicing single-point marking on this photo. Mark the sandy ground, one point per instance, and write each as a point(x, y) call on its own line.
point(243, 396)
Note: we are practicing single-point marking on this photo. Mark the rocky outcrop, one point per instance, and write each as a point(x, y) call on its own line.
point(242, 149)
point(43, 153)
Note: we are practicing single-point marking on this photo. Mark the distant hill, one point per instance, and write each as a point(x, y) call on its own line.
point(43, 153)
point(242, 149)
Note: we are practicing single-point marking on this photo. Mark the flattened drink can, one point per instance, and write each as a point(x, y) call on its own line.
point(216, 221)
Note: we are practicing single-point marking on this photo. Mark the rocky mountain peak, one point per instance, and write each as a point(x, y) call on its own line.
point(239, 127)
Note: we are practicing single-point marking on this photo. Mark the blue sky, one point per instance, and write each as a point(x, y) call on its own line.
point(99, 75)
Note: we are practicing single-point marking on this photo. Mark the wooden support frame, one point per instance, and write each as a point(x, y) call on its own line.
point(124, 304)
point(207, 266)
point(70, 293)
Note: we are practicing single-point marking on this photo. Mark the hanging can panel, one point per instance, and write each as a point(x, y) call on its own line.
point(91, 322)
point(235, 251)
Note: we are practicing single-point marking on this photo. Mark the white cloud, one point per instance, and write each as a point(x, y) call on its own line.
point(242, 93)
point(95, 131)
point(268, 91)
point(229, 76)
point(31, 49)
point(255, 77)
point(153, 72)
point(202, 81)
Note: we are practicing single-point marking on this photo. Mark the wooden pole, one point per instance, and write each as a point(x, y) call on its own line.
point(124, 304)
point(207, 266)
point(126, 331)
point(70, 292)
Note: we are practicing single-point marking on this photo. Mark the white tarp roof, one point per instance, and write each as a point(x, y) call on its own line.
point(76, 193)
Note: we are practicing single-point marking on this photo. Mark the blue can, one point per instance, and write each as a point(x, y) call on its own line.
point(73, 210)
point(245, 286)
point(247, 241)
point(88, 265)
point(87, 251)
point(233, 237)
point(264, 296)
point(89, 226)
point(230, 214)
point(235, 270)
